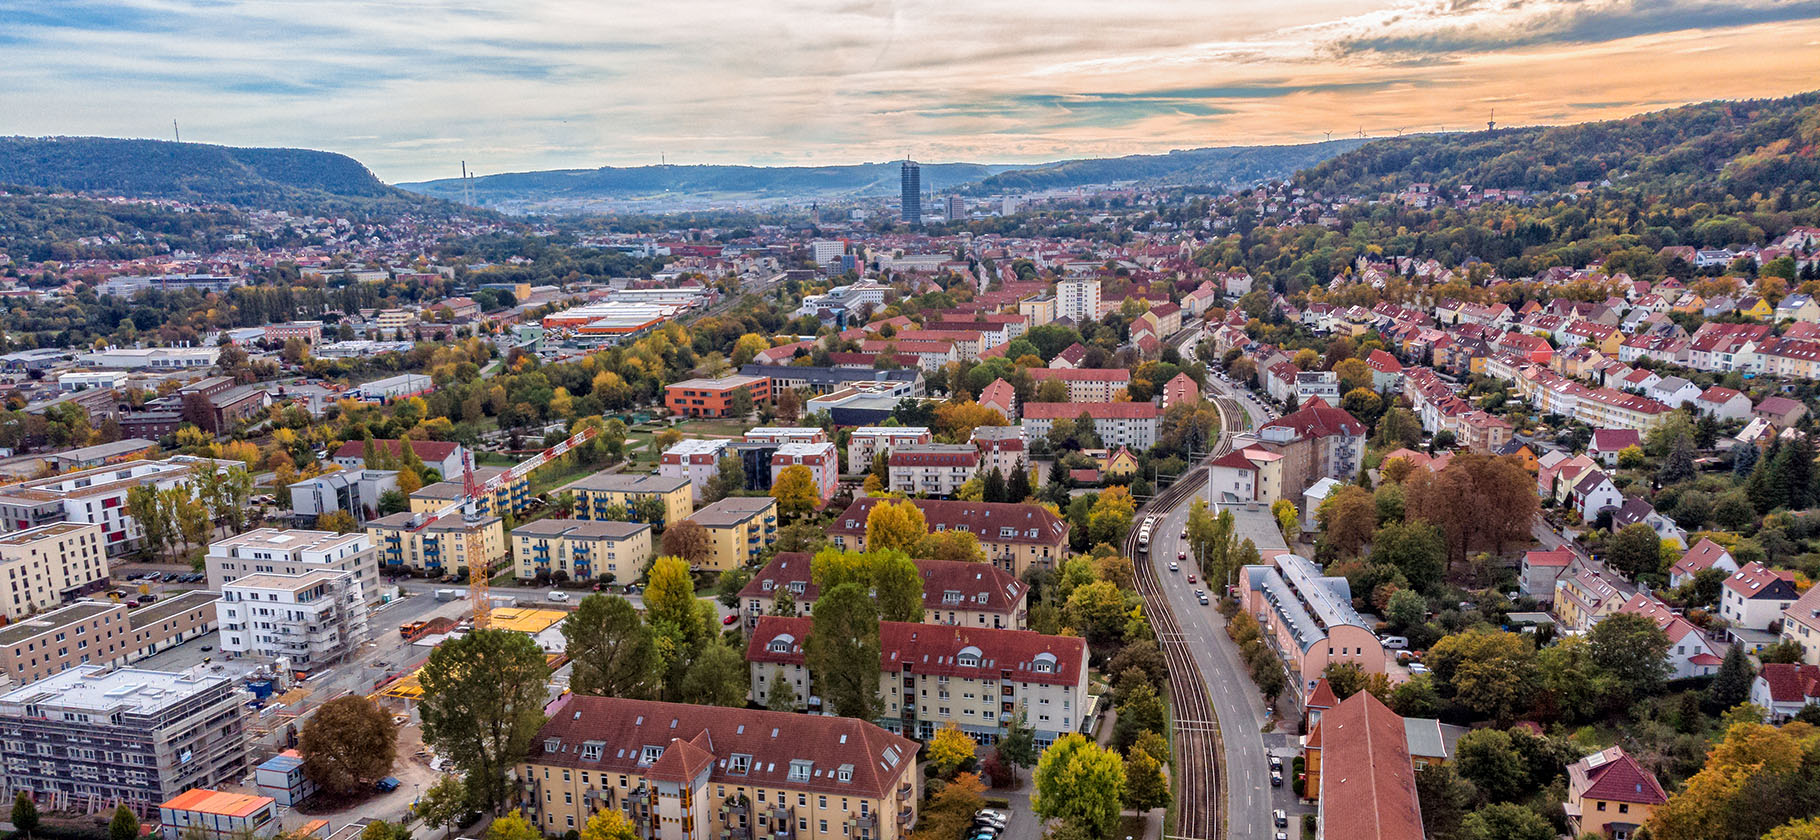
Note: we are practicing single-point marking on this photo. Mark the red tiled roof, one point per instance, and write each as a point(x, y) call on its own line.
point(431, 451)
point(1318, 419)
point(709, 735)
point(1701, 557)
point(1368, 786)
point(1098, 411)
point(1081, 374)
point(1032, 524)
point(1000, 589)
point(934, 649)
point(1557, 557)
point(785, 568)
point(1755, 580)
point(1612, 775)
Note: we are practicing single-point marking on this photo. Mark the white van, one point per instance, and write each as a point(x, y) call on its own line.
point(557, 596)
point(1394, 642)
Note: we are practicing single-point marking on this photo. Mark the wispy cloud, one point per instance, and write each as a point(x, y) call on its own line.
point(412, 87)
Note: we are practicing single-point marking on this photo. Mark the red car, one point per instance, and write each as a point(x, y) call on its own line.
point(732, 619)
point(1191, 578)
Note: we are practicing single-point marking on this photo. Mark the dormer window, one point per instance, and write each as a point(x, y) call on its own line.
point(551, 745)
point(591, 750)
point(782, 644)
point(845, 773)
point(797, 587)
point(650, 754)
point(739, 764)
point(800, 770)
point(768, 585)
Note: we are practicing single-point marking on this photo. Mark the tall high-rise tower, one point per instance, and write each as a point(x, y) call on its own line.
point(912, 179)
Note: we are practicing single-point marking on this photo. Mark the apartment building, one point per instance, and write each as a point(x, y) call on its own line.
point(509, 495)
point(293, 552)
point(932, 469)
point(127, 735)
point(100, 633)
point(740, 527)
point(50, 565)
point(956, 593)
point(1316, 441)
point(1251, 474)
point(448, 459)
point(581, 550)
point(686, 772)
point(314, 618)
point(786, 434)
point(1085, 385)
point(714, 397)
point(98, 497)
point(1014, 536)
point(867, 441)
point(356, 491)
point(934, 675)
point(436, 546)
point(822, 460)
point(1128, 424)
point(1308, 617)
point(1001, 448)
point(610, 496)
point(1078, 299)
point(696, 460)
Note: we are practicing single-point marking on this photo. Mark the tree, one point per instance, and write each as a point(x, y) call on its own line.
point(339, 521)
point(1289, 520)
point(898, 524)
point(608, 824)
point(1416, 549)
point(1632, 650)
point(483, 698)
point(382, 830)
point(25, 814)
point(1487, 758)
point(1678, 466)
point(444, 804)
point(1635, 550)
point(144, 504)
point(728, 585)
point(1406, 609)
point(348, 744)
point(729, 478)
point(1079, 782)
point(783, 694)
point(953, 546)
point(1506, 821)
point(613, 652)
point(1488, 672)
point(1345, 678)
point(1444, 798)
point(1017, 487)
point(1097, 610)
point(1756, 777)
point(1732, 684)
point(949, 749)
point(648, 508)
point(994, 489)
point(689, 540)
point(843, 651)
point(794, 491)
point(1145, 787)
point(716, 677)
point(124, 825)
point(1348, 517)
point(1018, 745)
point(897, 586)
point(1141, 711)
point(513, 826)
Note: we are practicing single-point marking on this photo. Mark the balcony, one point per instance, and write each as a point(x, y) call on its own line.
point(863, 821)
point(904, 817)
point(905, 790)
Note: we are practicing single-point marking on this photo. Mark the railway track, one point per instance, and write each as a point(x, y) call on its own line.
point(1199, 768)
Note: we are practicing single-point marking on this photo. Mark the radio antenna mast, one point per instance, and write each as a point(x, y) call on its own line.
point(175, 132)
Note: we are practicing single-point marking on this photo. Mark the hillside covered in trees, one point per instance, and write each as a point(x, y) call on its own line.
point(1215, 167)
point(301, 180)
point(1740, 147)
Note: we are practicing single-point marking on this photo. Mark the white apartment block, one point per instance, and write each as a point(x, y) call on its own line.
point(314, 619)
point(97, 496)
point(277, 551)
point(50, 565)
point(1130, 424)
point(695, 460)
point(867, 441)
point(1078, 299)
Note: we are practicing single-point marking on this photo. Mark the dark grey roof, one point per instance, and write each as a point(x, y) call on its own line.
point(831, 375)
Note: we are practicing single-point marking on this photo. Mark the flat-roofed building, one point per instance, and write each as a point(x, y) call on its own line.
point(614, 496)
point(714, 397)
point(355, 491)
point(127, 735)
point(687, 772)
point(98, 496)
point(436, 546)
point(293, 552)
point(218, 815)
point(821, 459)
point(867, 441)
point(315, 618)
point(933, 675)
point(696, 460)
point(741, 527)
point(509, 494)
point(102, 454)
point(580, 550)
point(50, 565)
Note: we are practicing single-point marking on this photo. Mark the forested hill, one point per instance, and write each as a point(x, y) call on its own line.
point(1213, 167)
point(1738, 146)
point(300, 180)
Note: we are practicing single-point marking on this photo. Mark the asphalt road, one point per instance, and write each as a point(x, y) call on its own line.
point(1236, 701)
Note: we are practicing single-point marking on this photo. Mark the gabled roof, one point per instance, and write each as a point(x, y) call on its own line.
point(1612, 775)
point(937, 649)
point(1029, 524)
point(1318, 419)
point(1368, 786)
point(1701, 557)
point(1755, 581)
point(1615, 440)
point(1790, 682)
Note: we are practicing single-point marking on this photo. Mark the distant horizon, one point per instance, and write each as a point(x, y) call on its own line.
point(527, 85)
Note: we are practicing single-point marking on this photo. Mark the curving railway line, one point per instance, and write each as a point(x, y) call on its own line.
point(1199, 768)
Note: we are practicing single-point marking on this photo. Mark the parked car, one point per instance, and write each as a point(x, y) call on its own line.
point(1395, 642)
point(731, 619)
point(387, 784)
point(1276, 780)
point(1417, 668)
point(1280, 818)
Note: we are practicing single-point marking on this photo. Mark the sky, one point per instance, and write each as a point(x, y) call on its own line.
point(412, 88)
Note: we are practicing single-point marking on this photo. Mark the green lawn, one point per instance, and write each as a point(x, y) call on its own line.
point(713, 428)
point(554, 475)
